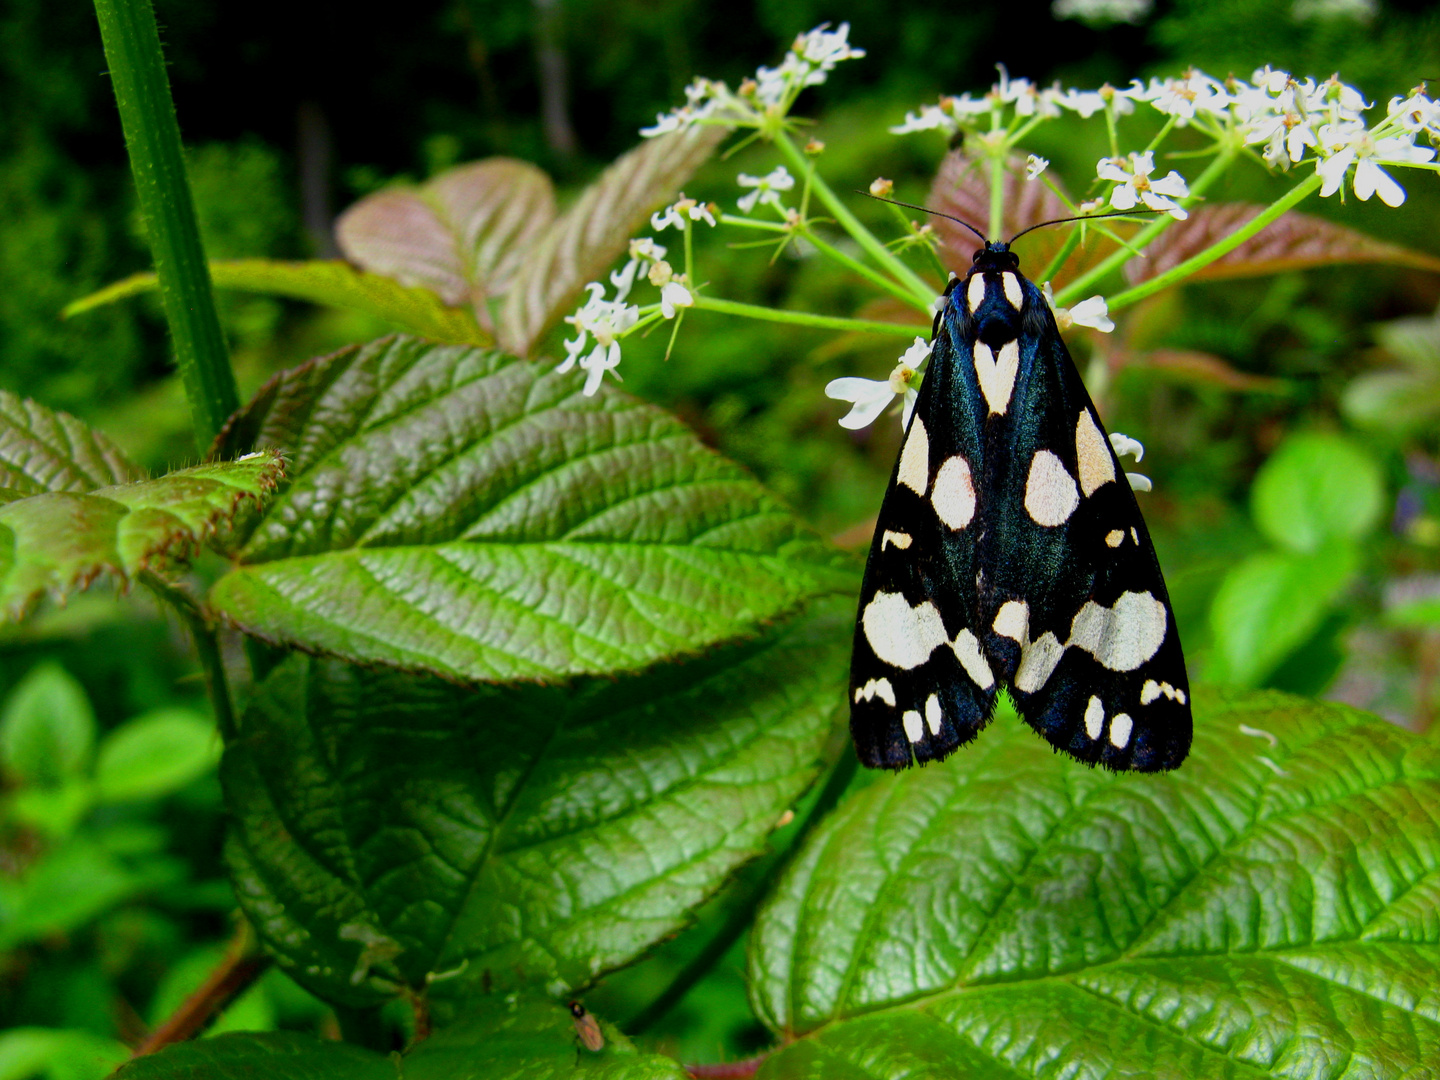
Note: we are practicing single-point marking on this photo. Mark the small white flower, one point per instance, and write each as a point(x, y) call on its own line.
point(1027, 99)
point(1134, 184)
point(1138, 482)
point(674, 295)
point(1101, 12)
point(644, 254)
point(1123, 444)
point(826, 48)
point(869, 397)
point(601, 360)
point(1092, 312)
point(703, 97)
point(930, 118)
point(1416, 113)
point(767, 188)
point(1366, 152)
point(677, 213)
point(1035, 165)
point(606, 321)
point(1192, 94)
point(1085, 102)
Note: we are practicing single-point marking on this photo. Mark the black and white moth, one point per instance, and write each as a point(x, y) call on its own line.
point(1010, 551)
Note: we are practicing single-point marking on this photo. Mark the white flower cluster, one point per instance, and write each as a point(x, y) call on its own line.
point(1292, 118)
point(607, 321)
point(771, 92)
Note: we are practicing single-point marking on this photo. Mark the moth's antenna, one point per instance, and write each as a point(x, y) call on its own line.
point(1081, 217)
point(926, 210)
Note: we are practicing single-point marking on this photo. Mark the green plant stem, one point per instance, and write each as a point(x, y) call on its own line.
point(909, 227)
point(743, 914)
point(242, 965)
point(207, 649)
point(1179, 273)
point(851, 224)
point(1072, 292)
point(152, 135)
point(879, 280)
point(804, 318)
point(997, 196)
point(1066, 250)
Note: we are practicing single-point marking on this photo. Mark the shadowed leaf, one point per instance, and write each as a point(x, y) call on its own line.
point(1206, 369)
point(273, 1055)
point(593, 233)
point(333, 283)
point(43, 450)
point(1294, 242)
point(469, 514)
point(56, 542)
point(389, 826)
point(462, 235)
point(1267, 910)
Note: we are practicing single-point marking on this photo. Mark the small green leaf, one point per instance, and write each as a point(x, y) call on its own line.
point(329, 282)
point(1267, 910)
point(155, 754)
point(582, 243)
point(274, 1055)
point(1315, 489)
point(388, 828)
point(57, 1054)
point(465, 513)
point(55, 811)
point(1271, 603)
point(43, 450)
point(1392, 401)
point(461, 235)
point(63, 891)
point(55, 542)
point(529, 1039)
point(47, 728)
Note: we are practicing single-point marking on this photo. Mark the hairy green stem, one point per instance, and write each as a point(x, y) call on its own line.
point(207, 649)
point(879, 280)
point(1072, 292)
point(997, 196)
point(908, 226)
point(804, 318)
point(1179, 273)
point(152, 135)
point(922, 292)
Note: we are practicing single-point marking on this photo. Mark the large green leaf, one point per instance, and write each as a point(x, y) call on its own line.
point(43, 450)
point(582, 243)
point(1316, 489)
point(58, 541)
point(329, 282)
point(1269, 909)
point(388, 828)
point(465, 513)
point(462, 235)
point(274, 1055)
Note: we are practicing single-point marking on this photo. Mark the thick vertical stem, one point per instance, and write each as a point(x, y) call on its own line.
point(142, 92)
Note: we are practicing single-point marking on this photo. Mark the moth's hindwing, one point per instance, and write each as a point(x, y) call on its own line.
point(1010, 551)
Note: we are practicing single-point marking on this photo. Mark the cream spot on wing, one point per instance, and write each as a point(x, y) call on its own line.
point(1180, 696)
point(914, 726)
point(954, 494)
point(1092, 454)
point(1121, 637)
point(996, 376)
point(915, 459)
point(899, 539)
point(967, 651)
point(1013, 621)
point(1120, 726)
point(1149, 692)
point(975, 291)
point(1114, 538)
point(874, 688)
point(1134, 536)
point(1012, 290)
point(899, 635)
point(1037, 661)
point(1050, 495)
point(1094, 717)
point(932, 714)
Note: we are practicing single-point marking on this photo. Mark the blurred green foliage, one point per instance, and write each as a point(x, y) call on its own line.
point(1299, 525)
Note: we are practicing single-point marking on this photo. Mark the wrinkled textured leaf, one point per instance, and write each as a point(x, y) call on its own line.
point(58, 541)
point(42, 450)
point(332, 283)
point(1295, 241)
point(390, 826)
point(462, 235)
point(530, 1040)
point(1316, 489)
point(469, 514)
point(1270, 604)
point(583, 242)
point(273, 1055)
point(1266, 910)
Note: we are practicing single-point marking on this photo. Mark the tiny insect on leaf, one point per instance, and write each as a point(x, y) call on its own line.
point(1010, 552)
point(587, 1029)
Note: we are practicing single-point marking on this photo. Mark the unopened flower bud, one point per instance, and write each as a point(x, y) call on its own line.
point(661, 273)
point(881, 188)
point(814, 147)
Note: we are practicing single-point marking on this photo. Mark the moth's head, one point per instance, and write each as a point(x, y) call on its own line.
point(995, 256)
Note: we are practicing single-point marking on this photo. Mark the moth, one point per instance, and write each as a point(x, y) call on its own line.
point(1010, 551)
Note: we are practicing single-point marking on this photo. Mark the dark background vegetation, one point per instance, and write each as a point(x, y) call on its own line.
point(291, 111)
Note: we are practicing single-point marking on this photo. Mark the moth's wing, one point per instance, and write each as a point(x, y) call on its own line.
point(1081, 625)
point(919, 684)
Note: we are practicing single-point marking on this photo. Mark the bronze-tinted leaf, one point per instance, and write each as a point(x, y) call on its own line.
point(580, 245)
point(462, 235)
point(1293, 242)
point(1206, 369)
